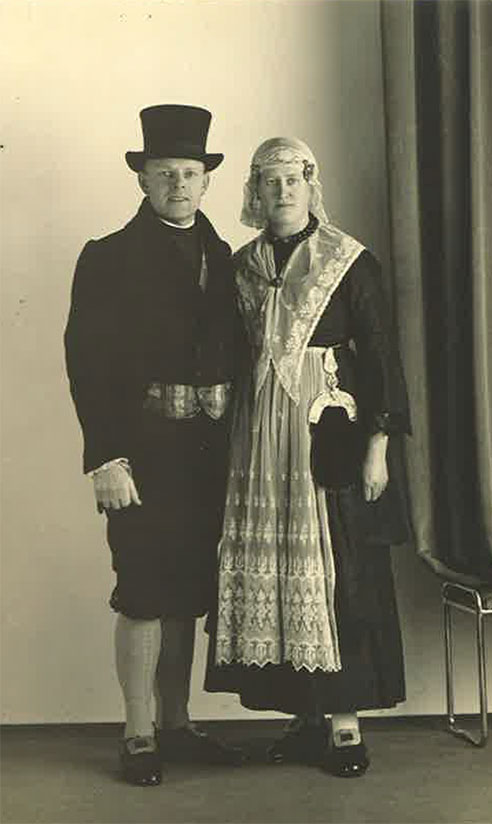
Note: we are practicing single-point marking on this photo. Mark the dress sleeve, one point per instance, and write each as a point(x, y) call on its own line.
point(382, 393)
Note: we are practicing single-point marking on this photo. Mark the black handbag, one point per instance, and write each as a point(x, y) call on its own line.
point(337, 449)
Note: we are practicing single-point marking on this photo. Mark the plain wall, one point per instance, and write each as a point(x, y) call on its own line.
point(77, 76)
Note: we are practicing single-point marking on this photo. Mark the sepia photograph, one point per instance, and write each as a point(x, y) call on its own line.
point(246, 412)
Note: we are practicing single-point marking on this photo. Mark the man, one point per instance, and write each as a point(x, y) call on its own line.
point(150, 346)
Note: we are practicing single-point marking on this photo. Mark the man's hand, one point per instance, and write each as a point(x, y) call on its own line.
point(375, 469)
point(114, 488)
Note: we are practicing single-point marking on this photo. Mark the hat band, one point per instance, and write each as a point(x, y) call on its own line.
point(177, 149)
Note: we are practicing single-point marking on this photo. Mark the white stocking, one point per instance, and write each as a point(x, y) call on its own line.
point(345, 729)
point(137, 645)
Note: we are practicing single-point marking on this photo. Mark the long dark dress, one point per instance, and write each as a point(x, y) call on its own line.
point(372, 674)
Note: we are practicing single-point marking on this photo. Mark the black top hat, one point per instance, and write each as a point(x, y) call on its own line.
point(174, 131)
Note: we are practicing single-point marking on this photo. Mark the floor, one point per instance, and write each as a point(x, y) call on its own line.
point(419, 773)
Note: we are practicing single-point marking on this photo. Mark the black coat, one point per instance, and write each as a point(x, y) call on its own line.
point(137, 316)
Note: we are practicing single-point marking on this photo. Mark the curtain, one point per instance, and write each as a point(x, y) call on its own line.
point(437, 74)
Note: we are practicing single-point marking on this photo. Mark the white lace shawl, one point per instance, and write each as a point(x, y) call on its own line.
point(281, 321)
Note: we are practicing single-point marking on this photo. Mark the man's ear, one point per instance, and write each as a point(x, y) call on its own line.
point(142, 182)
point(206, 181)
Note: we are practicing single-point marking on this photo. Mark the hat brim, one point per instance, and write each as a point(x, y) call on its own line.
point(136, 160)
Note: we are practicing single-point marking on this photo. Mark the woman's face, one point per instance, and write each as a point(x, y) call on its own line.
point(285, 195)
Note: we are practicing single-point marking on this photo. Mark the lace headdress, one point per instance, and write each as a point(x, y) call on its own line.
point(272, 152)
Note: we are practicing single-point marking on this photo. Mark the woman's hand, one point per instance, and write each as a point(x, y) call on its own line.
point(375, 468)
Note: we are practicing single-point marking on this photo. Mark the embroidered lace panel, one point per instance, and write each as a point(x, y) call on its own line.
point(281, 320)
point(273, 602)
point(276, 569)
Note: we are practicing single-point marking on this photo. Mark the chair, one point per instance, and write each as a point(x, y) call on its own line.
point(478, 601)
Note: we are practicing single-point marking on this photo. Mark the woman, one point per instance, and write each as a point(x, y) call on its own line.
point(307, 622)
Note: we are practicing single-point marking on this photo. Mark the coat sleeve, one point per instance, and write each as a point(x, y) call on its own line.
point(383, 400)
point(93, 360)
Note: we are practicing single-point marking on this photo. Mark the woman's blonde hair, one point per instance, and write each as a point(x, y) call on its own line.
point(274, 151)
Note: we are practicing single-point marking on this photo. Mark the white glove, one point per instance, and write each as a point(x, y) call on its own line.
point(114, 487)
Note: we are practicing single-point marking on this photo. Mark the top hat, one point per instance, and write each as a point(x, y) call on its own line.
point(174, 131)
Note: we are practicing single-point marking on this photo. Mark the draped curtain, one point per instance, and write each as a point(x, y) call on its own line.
point(437, 72)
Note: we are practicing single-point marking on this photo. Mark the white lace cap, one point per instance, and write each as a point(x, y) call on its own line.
point(272, 152)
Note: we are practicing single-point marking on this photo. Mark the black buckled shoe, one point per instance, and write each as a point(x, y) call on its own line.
point(139, 764)
point(350, 761)
point(301, 744)
point(187, 745)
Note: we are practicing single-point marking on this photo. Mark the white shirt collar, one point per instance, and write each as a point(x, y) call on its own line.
point(176, 226)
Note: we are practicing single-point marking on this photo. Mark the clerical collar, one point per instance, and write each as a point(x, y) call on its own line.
point(308, 230)
point(178, 226)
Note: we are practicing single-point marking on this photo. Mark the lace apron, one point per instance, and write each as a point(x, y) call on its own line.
point(276, 569)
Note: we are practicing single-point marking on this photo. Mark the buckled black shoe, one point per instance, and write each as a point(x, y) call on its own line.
point(188, 745)
point(301, 744)
point(140, 765)
point(350, 761)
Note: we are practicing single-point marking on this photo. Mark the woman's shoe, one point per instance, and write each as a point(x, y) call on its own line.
point(300, 744)
point(139, 764)
point(348, 761)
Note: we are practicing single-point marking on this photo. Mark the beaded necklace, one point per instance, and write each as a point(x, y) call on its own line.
point(284, 246)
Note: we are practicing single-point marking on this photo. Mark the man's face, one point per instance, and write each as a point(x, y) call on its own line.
point(174, 186)
point(285, 195)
